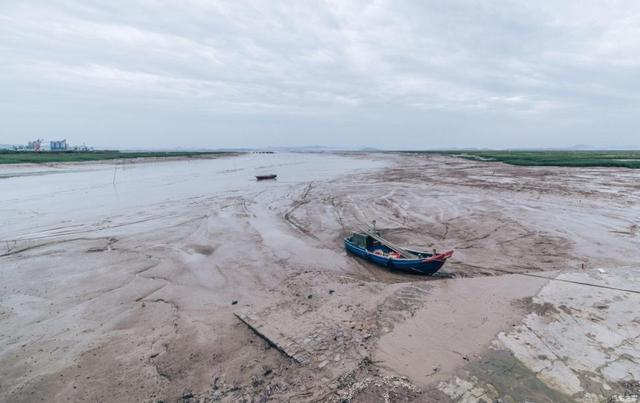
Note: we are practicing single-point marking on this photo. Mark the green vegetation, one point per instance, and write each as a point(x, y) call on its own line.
point(13, 157)
point(623, 159)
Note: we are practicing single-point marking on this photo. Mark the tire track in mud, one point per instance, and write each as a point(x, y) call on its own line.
point(12, 252)
point(245, 208)
point(150, 292)
point(50, 239)
point(398, 214)
point(337, 210)
point(297, 204)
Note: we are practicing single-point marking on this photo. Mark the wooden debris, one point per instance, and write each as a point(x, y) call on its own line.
point(275, 338)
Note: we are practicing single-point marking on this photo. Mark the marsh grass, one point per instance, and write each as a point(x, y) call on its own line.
point(621, 159)
point(13, 157)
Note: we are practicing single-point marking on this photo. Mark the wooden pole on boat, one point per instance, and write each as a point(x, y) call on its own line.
point(395, 248)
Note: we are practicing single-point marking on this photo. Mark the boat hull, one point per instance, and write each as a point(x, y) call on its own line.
point(426, 266)
point(265, 177)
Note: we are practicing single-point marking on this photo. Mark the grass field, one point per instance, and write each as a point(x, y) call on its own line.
point(12, 157)
point(624, 159)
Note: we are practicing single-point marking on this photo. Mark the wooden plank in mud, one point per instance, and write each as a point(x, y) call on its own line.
point(286, 345)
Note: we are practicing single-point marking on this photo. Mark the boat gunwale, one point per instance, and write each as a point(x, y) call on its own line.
point(430, 257)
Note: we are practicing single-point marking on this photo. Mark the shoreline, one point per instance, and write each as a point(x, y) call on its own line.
point(101, 157)
point(43, 168)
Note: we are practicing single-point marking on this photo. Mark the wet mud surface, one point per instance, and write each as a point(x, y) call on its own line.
point(134, 296)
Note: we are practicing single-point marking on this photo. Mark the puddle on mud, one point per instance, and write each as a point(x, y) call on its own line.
point(513, 381)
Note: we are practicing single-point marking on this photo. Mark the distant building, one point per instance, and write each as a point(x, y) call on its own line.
point(51, 145)
point(34, 145)
point(60, 145)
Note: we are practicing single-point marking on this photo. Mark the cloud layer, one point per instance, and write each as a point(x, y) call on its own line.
point(382, 73)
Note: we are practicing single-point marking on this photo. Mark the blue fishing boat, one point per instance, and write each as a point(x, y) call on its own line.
point(370, 246)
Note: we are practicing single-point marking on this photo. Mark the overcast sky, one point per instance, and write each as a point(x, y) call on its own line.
point(386, 74)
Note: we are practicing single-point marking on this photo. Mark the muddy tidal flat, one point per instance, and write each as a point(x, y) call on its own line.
point(190, 281)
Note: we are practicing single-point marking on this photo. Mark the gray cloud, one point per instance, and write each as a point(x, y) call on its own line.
point(396, 74)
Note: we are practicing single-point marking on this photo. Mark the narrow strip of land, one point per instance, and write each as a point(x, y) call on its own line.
point(22, 157)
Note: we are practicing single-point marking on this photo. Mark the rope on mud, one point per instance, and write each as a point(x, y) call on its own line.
point(580, 283)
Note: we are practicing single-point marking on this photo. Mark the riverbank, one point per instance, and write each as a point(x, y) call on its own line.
point(48, 157)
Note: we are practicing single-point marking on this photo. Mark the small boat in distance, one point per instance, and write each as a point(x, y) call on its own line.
point(371, 246)
point(266, 177)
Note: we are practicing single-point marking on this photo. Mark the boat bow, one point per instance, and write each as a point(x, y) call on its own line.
point(439, 257)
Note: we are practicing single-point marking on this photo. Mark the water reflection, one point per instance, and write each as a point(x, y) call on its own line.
point(35, 197)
